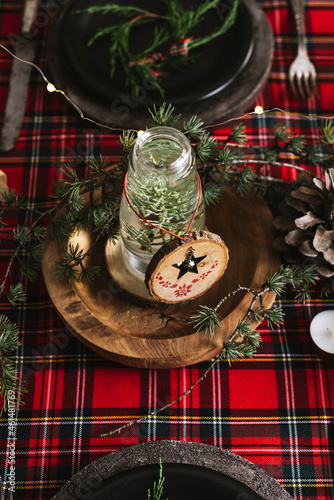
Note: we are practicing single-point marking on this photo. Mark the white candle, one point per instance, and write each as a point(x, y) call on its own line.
point(322, 331)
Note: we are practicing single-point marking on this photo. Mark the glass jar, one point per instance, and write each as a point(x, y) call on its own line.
point(162, 186)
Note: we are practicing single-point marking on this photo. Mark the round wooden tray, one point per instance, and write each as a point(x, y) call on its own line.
point(121, 330)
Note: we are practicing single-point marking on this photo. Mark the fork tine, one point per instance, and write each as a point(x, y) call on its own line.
point(313, 78)
point(10, 495)
point(1, 490)
point(299, 78)
point(293, 88)
point(307, 81)
point(292, 83)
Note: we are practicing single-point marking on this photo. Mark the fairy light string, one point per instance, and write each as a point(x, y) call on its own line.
point(51, 88)
point(258, 110)
point(183, 238)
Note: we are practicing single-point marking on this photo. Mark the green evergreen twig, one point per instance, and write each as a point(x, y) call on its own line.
point(158, 487)
point(10, 386)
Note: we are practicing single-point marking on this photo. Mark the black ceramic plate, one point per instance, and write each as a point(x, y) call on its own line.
point(191, 470)
point(90, 65)
point(228, 73)
point(181, 481)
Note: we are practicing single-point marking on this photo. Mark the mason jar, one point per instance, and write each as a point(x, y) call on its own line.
point(162, 186)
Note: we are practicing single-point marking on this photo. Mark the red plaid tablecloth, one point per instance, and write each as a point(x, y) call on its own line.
point(275, 410)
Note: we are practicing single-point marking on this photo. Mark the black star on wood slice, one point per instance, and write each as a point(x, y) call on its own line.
point(198, 273)
point(189, 265)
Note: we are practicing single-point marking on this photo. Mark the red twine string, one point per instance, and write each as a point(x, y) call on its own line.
point(179, 48)
point(183, 238)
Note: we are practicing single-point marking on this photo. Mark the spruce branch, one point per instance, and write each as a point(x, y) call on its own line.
point(10, 386)
point(326, 132)
point(164, 115)
point(194, 127)
point(127, 140)
point(206, 319)
point(238, 134)
point(211, 193)
point(10, 199)
point(206, 148)
point(16, 294)
point(244, 181)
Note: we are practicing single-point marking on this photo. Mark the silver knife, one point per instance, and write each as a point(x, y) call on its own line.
point(19, 79)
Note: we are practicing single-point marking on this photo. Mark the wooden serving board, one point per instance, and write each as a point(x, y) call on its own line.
point(123, 331)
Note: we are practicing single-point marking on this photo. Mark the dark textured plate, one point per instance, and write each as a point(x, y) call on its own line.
point(228, 73)
point(199, 80)
point(181, 481)
point(191, 470)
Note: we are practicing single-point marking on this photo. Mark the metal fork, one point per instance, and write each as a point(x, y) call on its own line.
point(301, 70)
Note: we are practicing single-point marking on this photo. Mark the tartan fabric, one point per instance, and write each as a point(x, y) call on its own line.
point(275, 410)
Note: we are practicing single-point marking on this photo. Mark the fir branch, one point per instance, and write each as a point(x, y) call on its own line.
point(206, 319)
point(304, 293)
point(22, 235)
point(98, 165)
point(326, 132)
point(233, 351)
point(281, 133)
point(211, 193)
point(127, 140)
point(16, 294)
point(11, 389)
point(295, 276)
point(229, 157)
point(274, 316)
point(296, 144)
point(11, 198)
point(244, 181)
point(206, 148)
point(38, 232)
point(73, 257)
point(164, 115)
point(88, 274)
point(238, 134)
point(194, 127)
point(278, 281)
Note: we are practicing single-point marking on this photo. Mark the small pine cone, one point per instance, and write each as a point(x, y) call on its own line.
point(306, 226)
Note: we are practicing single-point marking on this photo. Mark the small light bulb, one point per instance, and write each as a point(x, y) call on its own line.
point(50, 87)
point(258, 110)
point(140, 132)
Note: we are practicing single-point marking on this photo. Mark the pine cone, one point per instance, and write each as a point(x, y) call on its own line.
point(307, 225)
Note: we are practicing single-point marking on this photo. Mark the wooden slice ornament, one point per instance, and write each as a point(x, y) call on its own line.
point(183, 270)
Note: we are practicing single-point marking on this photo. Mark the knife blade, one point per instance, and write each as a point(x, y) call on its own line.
point(19, 79)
